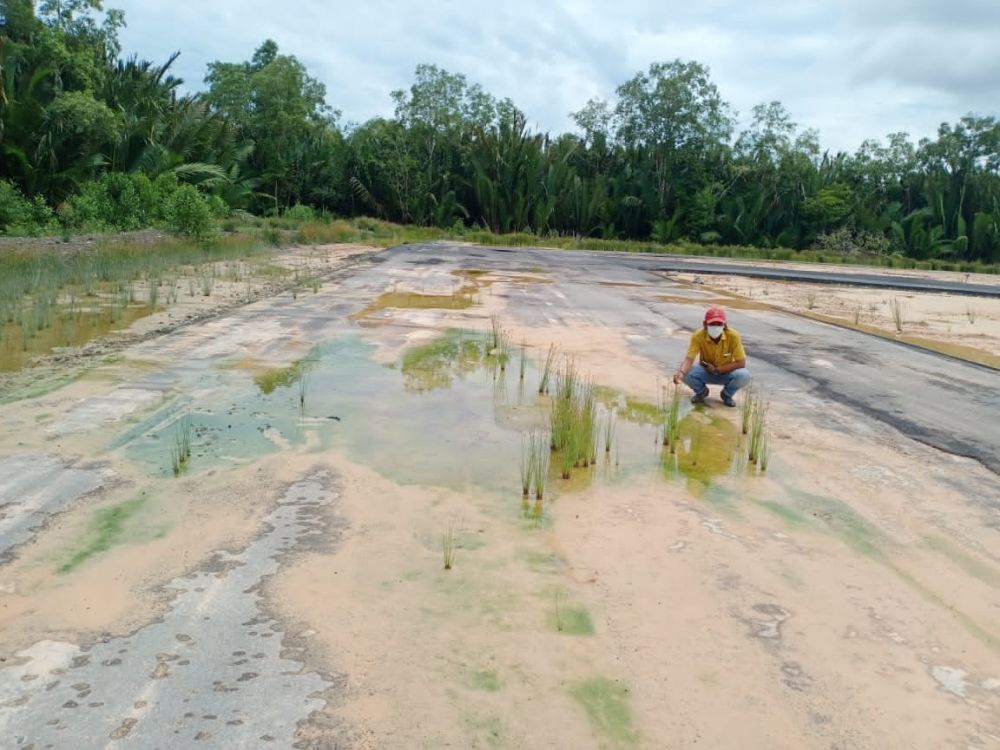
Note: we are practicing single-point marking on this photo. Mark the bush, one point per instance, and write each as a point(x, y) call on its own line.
point(18, 215)
point(116, 201)
point(189, 214)
point(299, 213)
point(849, 242)
point(218, 207)
point(319, 232)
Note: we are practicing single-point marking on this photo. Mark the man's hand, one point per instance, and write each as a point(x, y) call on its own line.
point(678, 377)
point(710, 368)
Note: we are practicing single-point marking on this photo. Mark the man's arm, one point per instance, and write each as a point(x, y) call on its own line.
point(723, 369)
point(685, 366)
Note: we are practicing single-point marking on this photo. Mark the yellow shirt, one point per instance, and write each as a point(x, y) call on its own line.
point(726, 350)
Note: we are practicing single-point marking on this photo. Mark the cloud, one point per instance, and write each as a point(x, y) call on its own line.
point(850, 68)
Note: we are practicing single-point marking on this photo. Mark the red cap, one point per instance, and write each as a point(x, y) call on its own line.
point(715, 315)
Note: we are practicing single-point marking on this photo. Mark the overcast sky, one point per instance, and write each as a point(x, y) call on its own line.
point(850, 68)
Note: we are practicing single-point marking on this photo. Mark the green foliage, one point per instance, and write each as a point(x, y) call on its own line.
point(18, 215)
point(189, 214)
point(114, 201)
point(299, 213)
point(81, 129)
point(845, 241)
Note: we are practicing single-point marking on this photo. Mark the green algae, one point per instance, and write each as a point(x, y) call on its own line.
point(570, 620)
point(971, 565)
point(485, 680)
point(107, 528)
point(790, 515)
point(606, 704)
point(840, 518)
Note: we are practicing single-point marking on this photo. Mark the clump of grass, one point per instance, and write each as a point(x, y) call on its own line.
point(670, 407)
point(747, 408)
point(171, 291)
point(970, 313)
point(609, 430)
point(897, 308)
point(503, 354)
point(857, 314)
point(304, 375)
point(154, 291)
point(550, 359)
point(180, 451)
point(811, 300)
point(757, 446)
point(524, 359)
point(449, 542)
point(495, 335)
point(534, 471)
point(573, 421)
point(206, 280)
point(764, 452)
point(541, 468)
point(527, 463)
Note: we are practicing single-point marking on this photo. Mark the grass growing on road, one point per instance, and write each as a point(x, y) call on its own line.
point(897, 308)
point(671, 411)
point(550, 358)
point(606, 705)
point(449, 542)
point(106, 529)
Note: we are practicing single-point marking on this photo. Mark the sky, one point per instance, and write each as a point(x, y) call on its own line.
point(852, 69)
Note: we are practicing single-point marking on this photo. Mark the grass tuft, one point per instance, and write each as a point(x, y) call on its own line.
point(546, 368)
point(449, 542)
point(897, 308)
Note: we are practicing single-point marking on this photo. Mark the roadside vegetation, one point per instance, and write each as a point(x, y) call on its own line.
point(92, 141)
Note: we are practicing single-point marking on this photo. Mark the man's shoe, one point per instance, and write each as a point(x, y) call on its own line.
point(699, 398)
point(727, 399)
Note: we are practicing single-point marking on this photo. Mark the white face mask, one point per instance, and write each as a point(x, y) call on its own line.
point(715, 331)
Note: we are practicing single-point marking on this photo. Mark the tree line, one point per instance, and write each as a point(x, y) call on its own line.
point(89, 139)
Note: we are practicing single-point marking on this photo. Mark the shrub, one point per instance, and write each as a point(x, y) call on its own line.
point(848, 242)
point(218, 207)
point(19, 215)
point(189, 213)
point(299, 213)
point(116, 201)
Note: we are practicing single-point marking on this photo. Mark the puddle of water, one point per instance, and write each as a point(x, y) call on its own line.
point(446, 417)
point(707, 449)
point(269, 380)
point(438, 363)
point(64, 330)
